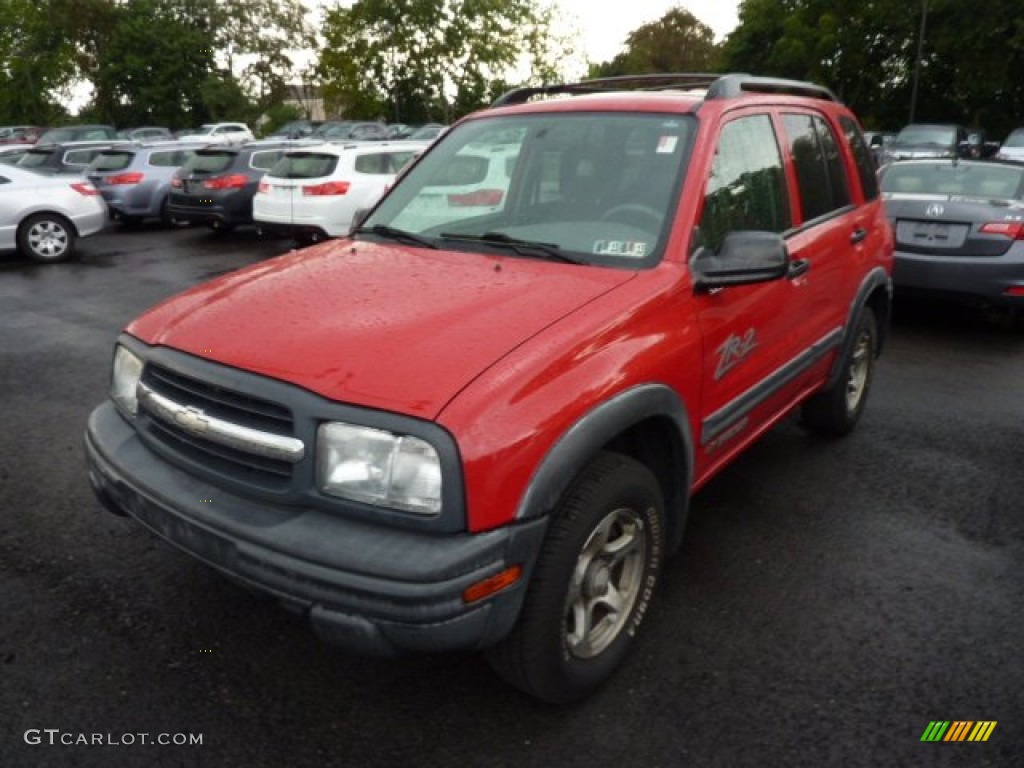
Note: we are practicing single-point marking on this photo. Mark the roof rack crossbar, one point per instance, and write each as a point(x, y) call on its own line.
point(718, 86)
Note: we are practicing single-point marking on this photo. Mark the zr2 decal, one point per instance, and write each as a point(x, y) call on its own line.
point(734, 351)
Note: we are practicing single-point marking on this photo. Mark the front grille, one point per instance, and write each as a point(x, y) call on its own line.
point(229, 405)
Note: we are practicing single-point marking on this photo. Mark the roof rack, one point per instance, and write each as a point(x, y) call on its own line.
point(718, 86)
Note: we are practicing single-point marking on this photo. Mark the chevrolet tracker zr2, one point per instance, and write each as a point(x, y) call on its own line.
point(476, 422)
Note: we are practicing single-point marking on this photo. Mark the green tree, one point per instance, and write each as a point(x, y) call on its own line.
point(156, 63)
point(677, 42)
point(432, 59)
point(37, 62)
point(263, 34)
point(973, 55)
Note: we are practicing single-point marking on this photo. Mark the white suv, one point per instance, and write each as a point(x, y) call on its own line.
point(315, 192)
point(221, 133)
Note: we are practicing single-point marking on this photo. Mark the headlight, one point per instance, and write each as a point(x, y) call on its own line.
point(379, 468)
point(127, 372)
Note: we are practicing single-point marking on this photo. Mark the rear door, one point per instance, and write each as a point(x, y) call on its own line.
point(831, 227)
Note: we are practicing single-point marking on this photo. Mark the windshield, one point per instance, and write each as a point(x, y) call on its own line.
point(980, 180)
point(600, 187)
point(927, 134)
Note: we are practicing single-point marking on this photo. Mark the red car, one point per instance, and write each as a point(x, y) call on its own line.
point(476, 423)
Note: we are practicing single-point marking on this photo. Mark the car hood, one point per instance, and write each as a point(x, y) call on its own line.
point(389, 327)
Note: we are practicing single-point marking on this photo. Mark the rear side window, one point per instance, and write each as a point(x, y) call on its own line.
point(819, 166)
point(264, 161)
point(304, 165)
point(862, 157)
point(746, 190)
point(112, 161)
point(382, 163)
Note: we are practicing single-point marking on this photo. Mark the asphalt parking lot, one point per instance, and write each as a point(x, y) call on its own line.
point(831, 598)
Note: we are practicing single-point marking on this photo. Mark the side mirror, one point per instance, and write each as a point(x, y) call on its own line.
point(744, 258)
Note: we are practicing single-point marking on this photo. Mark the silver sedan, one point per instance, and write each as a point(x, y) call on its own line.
point(43, 216)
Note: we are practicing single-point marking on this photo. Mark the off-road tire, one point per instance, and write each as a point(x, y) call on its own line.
point(604, 548)
point(834, 412)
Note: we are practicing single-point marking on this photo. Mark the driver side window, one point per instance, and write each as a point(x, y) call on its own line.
point(746, 190)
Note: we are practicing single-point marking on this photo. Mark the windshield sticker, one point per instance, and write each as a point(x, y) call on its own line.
point(637, 249)
point(667, 144)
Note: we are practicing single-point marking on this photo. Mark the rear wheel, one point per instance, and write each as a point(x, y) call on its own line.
point(167, 218)
point(592, 584)
point(46, 238)
point(835, 411)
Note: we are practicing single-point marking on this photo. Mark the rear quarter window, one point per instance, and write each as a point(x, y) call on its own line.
point(862, 157)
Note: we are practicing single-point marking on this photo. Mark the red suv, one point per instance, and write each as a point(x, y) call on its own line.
point(476, 423)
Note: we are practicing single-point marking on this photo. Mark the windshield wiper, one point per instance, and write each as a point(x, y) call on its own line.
point(522, 247)
point(393, 233)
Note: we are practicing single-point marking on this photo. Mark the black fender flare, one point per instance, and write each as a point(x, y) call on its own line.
point(602, 425)
point(876, 279)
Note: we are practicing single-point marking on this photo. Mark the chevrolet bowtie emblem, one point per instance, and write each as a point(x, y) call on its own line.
point(192, 420)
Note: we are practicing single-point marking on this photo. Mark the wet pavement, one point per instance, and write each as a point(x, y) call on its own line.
point(829, 601)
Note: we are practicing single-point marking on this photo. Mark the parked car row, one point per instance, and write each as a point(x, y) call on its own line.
point(308, 189)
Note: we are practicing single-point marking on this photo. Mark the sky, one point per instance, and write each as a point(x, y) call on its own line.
point(606, 23)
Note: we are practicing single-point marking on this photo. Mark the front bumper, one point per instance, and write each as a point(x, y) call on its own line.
point(370, 588)
point(985, 279)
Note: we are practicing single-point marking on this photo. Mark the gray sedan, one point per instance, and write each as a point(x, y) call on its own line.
point(43, 216)
point(959, 229)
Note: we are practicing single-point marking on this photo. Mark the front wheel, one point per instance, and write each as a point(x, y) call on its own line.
point(592, 584)
point(833, 412)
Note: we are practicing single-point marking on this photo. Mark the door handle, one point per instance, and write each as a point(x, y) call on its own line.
point(797, 267)
point(858, 236)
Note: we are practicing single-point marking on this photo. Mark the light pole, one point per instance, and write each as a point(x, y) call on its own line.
point(390, 31)
point(917, 60)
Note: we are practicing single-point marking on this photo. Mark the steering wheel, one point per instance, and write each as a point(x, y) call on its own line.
point(630, 213)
